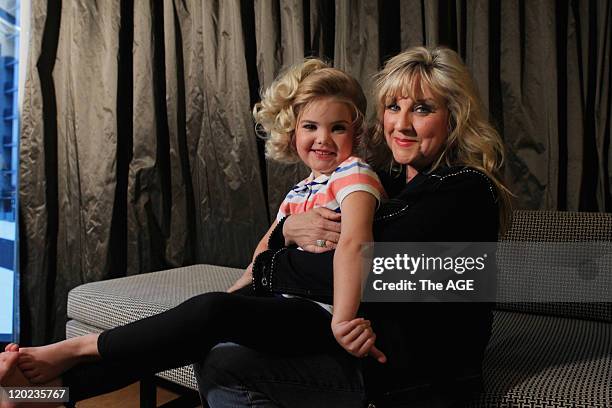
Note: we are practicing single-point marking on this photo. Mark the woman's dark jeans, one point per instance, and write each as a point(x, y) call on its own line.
point(237, 376)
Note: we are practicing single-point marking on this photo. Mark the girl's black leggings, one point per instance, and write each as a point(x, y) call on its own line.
point(185, 334)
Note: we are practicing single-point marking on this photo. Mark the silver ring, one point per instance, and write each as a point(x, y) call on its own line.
point(320, 243)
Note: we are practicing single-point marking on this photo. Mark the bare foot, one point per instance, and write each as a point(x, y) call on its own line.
point(10, 375)
point(46, 363)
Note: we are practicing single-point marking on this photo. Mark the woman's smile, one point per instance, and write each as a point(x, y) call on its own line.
point(406, 143)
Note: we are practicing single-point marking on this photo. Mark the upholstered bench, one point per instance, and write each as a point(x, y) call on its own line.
point(540, 355)
point(97, 306)
point(556, 354)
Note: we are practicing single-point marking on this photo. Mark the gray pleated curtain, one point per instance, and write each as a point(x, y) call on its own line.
point(138, 151)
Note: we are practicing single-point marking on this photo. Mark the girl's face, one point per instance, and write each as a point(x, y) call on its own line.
point(324, 135)
point(416, 130)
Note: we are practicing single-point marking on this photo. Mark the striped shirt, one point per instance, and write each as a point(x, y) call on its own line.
point(352, 175)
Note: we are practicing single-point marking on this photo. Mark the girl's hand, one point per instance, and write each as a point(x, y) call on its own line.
point(245, 280)
point(357, 337)
point(307, 228)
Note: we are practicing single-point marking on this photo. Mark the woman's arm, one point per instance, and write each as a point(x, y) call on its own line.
point(306, 228)
point(247, 277)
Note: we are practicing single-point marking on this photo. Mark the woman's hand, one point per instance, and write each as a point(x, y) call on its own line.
point(307, 228)
point(245, 280)
point(357, 337)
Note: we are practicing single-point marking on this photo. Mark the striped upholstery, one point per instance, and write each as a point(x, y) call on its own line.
point(97, 306)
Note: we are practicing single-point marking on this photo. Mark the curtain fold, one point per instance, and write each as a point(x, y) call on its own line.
point(279, 45)
point(357, 48)
point(145, 195)
point(529, 100)
point(573, 107)
point(477, 47)
point(138, 150)
point(412, 21)
point(232, 203)
point(603, 105)
point(37, 151)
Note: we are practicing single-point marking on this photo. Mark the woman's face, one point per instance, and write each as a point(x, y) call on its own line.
point(416, 130)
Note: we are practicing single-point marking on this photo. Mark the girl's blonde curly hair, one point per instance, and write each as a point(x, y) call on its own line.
point(292, 92)
point(472, 141)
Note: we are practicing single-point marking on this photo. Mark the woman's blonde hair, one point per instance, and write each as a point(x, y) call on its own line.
point(296, 88)
point(472, 141)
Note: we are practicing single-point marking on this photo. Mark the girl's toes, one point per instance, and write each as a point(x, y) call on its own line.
point(29, 374)
point(26, 367)
point(24, 357)
point(37, 379)
point(11, 347)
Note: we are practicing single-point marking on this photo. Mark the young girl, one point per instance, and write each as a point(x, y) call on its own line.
point(315, 113)
point(312, 113)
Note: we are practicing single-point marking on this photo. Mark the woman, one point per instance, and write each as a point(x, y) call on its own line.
point(445, 186)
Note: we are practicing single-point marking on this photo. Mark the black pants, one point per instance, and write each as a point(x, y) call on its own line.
point(234, 376)
point(186, 333)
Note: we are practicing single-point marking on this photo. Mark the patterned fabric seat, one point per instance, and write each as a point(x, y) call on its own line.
point(550, 354)
point(97, 306)
point(541, 355)
point(546, 361)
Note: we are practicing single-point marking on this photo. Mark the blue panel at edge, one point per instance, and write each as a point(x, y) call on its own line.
point(7, 252)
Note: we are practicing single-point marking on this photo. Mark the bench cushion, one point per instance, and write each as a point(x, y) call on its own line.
point(547, 361)
point(553, 226)
point(97, 306)
point(114, 302)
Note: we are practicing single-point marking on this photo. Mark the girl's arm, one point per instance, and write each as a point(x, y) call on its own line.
point(247, 277)
point(355, 335)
